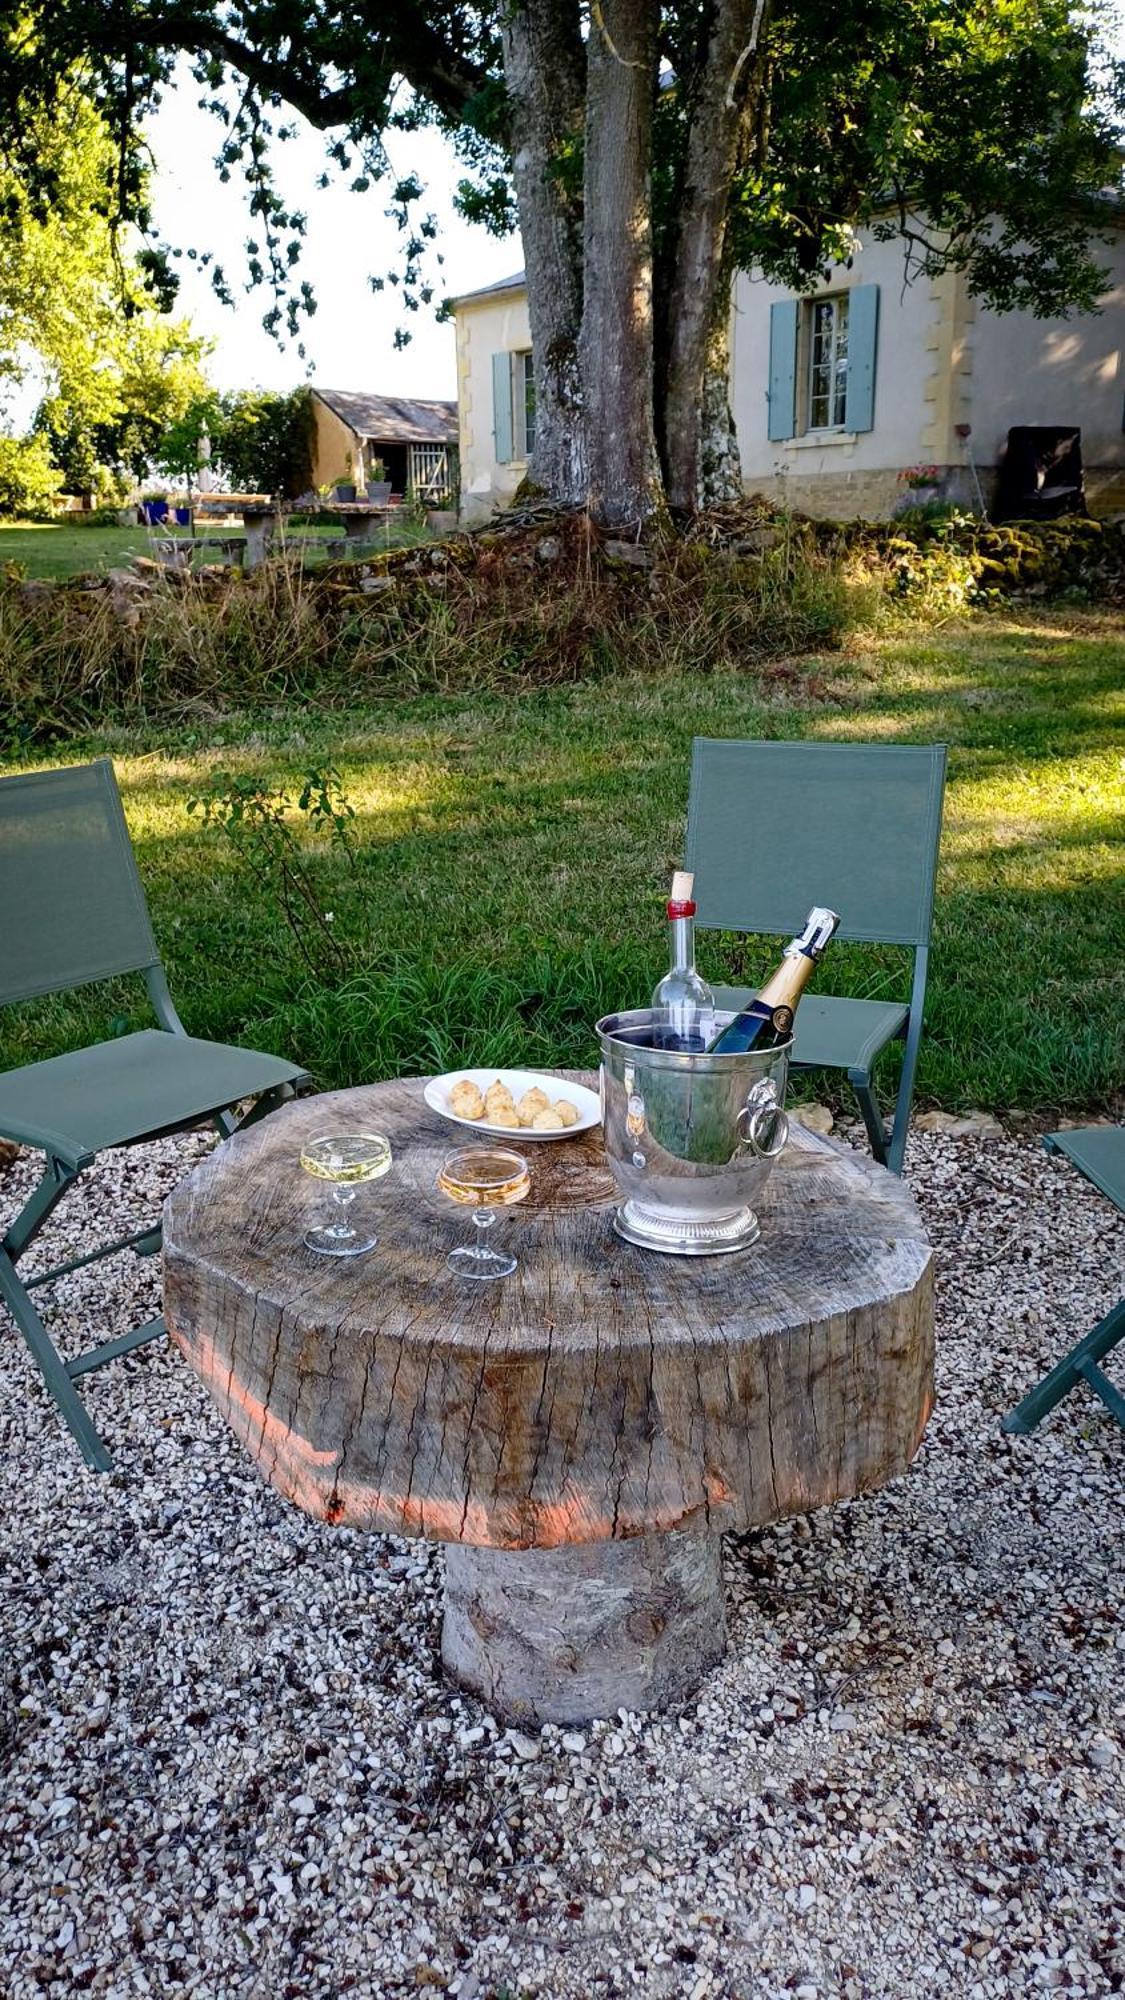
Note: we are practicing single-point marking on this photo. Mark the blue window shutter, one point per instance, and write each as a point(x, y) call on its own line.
point(863, 333)
point(502, 407)
point(783, 369)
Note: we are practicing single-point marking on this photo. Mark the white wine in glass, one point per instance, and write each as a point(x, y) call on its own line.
point(483, 1178)
point(345, 1160)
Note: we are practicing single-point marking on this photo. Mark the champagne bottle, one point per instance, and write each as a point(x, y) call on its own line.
point(685, 1002)
point(768, 1019)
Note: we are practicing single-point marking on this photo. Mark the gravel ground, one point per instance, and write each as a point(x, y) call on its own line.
point(229, 1764)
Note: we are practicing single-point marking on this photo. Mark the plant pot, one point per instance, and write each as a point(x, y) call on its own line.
point(344, 493)
point(183, 517)
point(380, 492)
point(155, 512)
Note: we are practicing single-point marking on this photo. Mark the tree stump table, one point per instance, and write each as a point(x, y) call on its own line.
point(580, 1434)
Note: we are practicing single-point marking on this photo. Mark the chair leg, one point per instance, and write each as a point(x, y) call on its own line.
point(860, 1081)
point(1079, 1365)
point(58, 1375)
point(896, 1150)
point(270, 1100)
point(53, 1370)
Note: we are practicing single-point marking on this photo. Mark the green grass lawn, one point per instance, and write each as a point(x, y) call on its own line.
point(50, 549)
point(514, 854)
point(54, 549)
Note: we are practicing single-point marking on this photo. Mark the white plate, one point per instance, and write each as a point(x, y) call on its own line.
point(584, 1101)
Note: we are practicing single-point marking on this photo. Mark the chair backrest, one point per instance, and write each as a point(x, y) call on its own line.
point(72, 908)
point(775, 827)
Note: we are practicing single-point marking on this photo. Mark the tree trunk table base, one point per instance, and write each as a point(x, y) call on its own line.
point(565, 1635)
point(579, 1434)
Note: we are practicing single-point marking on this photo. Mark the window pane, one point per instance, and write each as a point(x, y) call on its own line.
point(828, 363)
point(840, 363)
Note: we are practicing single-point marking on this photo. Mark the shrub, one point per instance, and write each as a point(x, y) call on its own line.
point(266, 440)
point(464, 616)
point(28, 480)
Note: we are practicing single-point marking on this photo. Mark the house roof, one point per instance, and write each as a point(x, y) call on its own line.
point(393, 419)
point(516, 283)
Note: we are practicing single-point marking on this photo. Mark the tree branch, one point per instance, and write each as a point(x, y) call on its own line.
point(427, 61)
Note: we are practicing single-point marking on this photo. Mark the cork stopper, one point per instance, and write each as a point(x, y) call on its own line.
point(679, 902)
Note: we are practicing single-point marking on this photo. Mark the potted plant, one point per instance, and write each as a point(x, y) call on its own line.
point(922, 483)
point(345, 487)
point(378, 485)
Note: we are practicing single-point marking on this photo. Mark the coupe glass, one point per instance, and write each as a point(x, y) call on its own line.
point(345, 1159)
point(483, 1178)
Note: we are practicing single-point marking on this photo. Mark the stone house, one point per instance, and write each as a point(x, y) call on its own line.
point(416, 442)
point(835, 394)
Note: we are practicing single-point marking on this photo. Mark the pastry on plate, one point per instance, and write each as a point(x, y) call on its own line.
point(547, 1120)
point(465, 1100)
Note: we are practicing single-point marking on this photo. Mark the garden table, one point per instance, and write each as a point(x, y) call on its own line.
point(260, 519)
point(579, 1434)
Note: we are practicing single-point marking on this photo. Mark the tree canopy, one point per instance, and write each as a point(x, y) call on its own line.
point(82, 310)
point(646, 151)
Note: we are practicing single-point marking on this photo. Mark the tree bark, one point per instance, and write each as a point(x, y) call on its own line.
point(616, 344)
point(720, 464)
point(722, 115)
point(602, 1393)
point(563, 1635)
point(544, 68)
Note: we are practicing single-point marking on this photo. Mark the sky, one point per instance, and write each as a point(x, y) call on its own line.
point(350, 339)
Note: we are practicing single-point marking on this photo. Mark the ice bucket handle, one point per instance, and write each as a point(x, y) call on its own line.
point(762, 1125)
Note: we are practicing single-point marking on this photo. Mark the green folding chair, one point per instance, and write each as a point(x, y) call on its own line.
point(1098, 1151)
point(774, 828)
point(72, 911)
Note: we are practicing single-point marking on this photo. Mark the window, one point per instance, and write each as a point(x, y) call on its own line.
point(828, 363)
point(822, 359)
point(513, 406)
point(523, 405)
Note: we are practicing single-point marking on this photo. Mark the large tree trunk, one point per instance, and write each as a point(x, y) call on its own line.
point(722, 115)
point(720, 465)
point(616, 345)
point(545, 72)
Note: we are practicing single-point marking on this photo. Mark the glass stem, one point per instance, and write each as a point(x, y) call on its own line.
point(484, 1219)
point(342, 1198)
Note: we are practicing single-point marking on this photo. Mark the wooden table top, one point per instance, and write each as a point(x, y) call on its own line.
point(601, 1391)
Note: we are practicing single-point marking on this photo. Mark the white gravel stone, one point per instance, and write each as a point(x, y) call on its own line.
point(230, 1767)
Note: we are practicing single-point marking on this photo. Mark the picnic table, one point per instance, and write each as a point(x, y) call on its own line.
point(580, 1434)
point(261, 518)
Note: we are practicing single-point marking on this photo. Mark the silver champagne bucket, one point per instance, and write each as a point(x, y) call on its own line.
point(691, 1139)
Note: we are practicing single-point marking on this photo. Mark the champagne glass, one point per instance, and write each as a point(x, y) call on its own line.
point(345, 1159)
point(483, 1178)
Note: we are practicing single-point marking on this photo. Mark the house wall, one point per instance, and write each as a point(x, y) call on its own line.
point(490, 326)
point(334, 443)
point(942, 361)
point(857, 471)
point(1057, 371)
